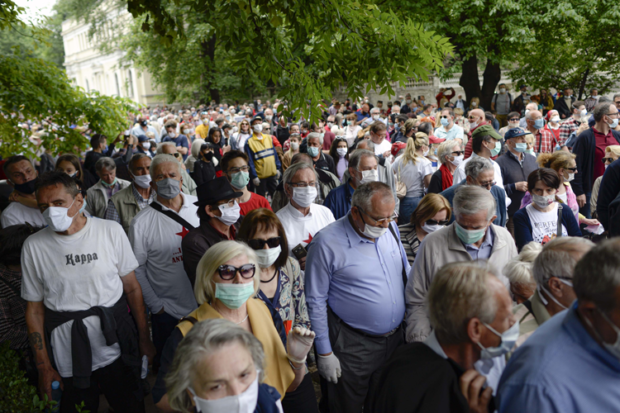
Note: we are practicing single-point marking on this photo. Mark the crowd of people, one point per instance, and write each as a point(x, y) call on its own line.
point(420, 256)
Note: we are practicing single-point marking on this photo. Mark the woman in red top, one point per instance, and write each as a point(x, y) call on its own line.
point(553, 124)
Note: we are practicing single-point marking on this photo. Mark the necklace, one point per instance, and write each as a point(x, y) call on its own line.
point(246, 317)
point(271, 279)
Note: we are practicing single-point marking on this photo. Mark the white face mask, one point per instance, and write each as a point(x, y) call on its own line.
point(542, 201)
point(473, 124)
point(570, 177)
point(186, 131)
point(205, 121)
point(426, 152)
point(266, 257)
point(172, 134)
point(373, 232)
point(143, 181)
point(257, 128)
point(527, 112)
point(457, 160)
point(268, 117)
point(555, 119)
point(584, 113)
point(369, 176)
point(241, 403)
point(513, 125)
point(294, 146)
point(541, 288)
point(431, 228)
point(146, 145)
point(230, 214)
point(509, 339)
point(58, 218)
point(342, 151)
point(304, 197)
point(614, 348)
point(375, 117)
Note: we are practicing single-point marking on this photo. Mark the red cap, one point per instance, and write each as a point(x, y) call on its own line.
point(397, 147)
point(434, 139)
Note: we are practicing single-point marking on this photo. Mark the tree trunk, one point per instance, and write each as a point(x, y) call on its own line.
point(208, 51)
point(582, 84)
point(469, 78)
point(491, 77)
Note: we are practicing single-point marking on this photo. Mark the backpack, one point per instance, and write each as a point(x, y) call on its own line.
point(509, 100)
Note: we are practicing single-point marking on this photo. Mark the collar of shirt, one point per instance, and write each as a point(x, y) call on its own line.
point(138, 196)
point(515, 157)
point(298, 215)
point(488, 242)
point(232, 230)
point(352, 235)
point(433, 344)
point(183, 205)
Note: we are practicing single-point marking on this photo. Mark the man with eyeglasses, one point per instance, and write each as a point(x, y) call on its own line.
point(220, 218)
point(235, 168)
point(355, 280)
point(448, 130)
point(571, 124)
point(590, 151)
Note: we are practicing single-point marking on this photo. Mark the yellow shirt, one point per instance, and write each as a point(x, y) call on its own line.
point(202, 131)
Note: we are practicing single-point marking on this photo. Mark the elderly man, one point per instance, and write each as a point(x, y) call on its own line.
point(476, 119)
point(553, 273)
point(22, 177)
point(590, 151)
point(78, 279)
point(572, 363)
point(220, 218)
point(126, 203)
point(471, 237)
point(354, 289)
point(108, 185)
point(545, 141)
point(264, 162)
point(189, 185)
point(384, 173)
point(572, 123)
point(480, 172)
point(302, 218)
point(529, 107)
point(562, 104)
point(362, 169)
point(471, 315)
point(448, 130)
point(320, 159)
point(156, 234)
point(485, 143)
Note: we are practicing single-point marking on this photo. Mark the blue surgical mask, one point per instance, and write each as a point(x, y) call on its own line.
point(313, 151)
point(521, 147)
point(530, 151)
point(540, 123)
point(240, 179)
point(469, 236)
point(509, 339)
point(498, 147)
point(445, 122)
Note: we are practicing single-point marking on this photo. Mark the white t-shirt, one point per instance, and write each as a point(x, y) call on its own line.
point(544, 224)
point(459, 173)
point(383, 147)
point(17, 213)
point(301, 229)
point(77, 272)
point(413, 175)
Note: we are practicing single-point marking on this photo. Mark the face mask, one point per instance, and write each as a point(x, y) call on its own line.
point(408, 101)
point(257, 128)
point(372, 232)
point(457, 160)
point(304, 197)
point(25, 188)
point(555, 119)
point(570, 177)
point(498, 147)
point(73, 175)
point(521, 147)
point(530, 151)
point(234, 296)
point(313, 152)
point(109, 185)
point(431, 228)
point(509, 339)
point(469, 236)
point(583, 113)
point(241, 403)
point(426, 152)
point(266, 258)
point(473, 124)
point(240, 179)
point(146, 146)
point(58, 219)
point(613, 124)
point(369, 176)
point(445, 122)
point(474, 104)
point(541, 288)
point(527, 111)
point(205, 121)
point(168, 188)
point(614, 348)
point(397, 127)
point(143, 181)
point(172, 134)
point(186, 131)
point(230, 214)
point(513, 125)
point(502, 90)
point(543, 201)
point(539, 124)
point(294, 146)
point(83, 207)
point(268, 117)
point(342, 152)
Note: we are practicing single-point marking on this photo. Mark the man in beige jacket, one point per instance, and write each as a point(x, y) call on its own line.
point(471, 237)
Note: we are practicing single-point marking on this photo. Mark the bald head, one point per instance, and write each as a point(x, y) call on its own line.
point(531, 106)
point(476, 115)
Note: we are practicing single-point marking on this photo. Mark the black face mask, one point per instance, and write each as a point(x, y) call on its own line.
point(27, 188)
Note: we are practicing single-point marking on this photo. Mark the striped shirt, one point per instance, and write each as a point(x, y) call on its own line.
point(112, 214)
point(567, 127)
point(12, 309)
point(410, 241)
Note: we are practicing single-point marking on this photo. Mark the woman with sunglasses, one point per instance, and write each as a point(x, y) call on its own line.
point(281, 288)
point(450, 156)
point(226, 284)
point(238, 139)
point(432, 214)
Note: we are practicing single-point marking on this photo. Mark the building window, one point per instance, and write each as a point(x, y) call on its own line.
point(130, 92)
point(87, 86)
point(118, 88)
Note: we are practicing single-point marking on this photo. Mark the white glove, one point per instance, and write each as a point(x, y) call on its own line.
point(298, 344)
point(329, 368)
point(256, 181)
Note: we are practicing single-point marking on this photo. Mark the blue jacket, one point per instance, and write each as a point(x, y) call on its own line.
point(500, 201)
point(339, 200)
point(523, 226)
point(609, 190)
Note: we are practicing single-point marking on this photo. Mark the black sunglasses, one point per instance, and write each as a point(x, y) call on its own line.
point(228, 272)
point(458, 153)
point(433, 222)
point(259, 244)
point(572, 169)
point(608, 159)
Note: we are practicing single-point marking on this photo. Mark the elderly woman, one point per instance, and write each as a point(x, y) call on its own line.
point(432, 214)
point(612, 153)
point(519, 272)
point(553, 124)
point(225, 288)
point(100, 193)
point(220, 367)
point(450, 156)
point(194, 155)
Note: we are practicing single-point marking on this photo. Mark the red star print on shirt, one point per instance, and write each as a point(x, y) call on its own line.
point(307, 241)
point(183, 233)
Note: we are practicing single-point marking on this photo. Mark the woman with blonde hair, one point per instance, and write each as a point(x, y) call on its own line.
point(612, 153)
point(432, 213)
point(414, 170)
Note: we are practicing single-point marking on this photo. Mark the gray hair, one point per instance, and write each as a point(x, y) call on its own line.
point(160, 147)
point(471, 199)
point(459, 292)
point(476, 166)
point(356, 156)
point(519, 269)
point(369, 143)
point(597, 275)
point(601, 110)
point(160, 159)
point(315, 135)
point(293, 169)
point(362, 197)
point(557, 258)
point(444, 150)
point(134, 159)
point(105, 163)
point(202, 340)
point(375, 110)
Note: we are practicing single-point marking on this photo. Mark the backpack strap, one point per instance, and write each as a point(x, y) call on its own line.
point(175, 217)
point(559, 227)
point(401, 254)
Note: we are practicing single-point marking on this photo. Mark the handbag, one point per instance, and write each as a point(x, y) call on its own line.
point(401, 188)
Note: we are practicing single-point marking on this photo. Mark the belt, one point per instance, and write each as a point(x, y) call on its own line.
point(360, 332)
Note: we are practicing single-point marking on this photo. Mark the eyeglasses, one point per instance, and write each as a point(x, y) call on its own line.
point(379, 221)
point(228, 272)
point(487, 184)
point(176, 155)
point(458, 153)
point(514, 120)
point(240, 169)
point(302, 184)
point(608, 159)
point(613, 114)
point(259, 244)
point(230, 203)
point(472, 118)
point(573, 169)
point(433, 222)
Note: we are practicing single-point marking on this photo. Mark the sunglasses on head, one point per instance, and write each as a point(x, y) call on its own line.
point(228, 272)
point(259, 244)
point(433, 222)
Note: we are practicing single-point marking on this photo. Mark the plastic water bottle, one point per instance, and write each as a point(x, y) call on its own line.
point(56, 396)
point(557, 147)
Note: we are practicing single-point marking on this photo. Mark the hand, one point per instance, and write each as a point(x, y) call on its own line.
point(329, 367)
point(590, 221)
point(302, 263)
point(256, 181)
point(471, 383)
point(46, 376)
point(278, 174)
point(521, 186)
point(386, 154)
point(147, 348)
point(118, 138)
point(226, 149)
point(581, 200)
point(298, 344)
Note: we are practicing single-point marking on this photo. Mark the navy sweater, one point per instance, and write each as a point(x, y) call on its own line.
point(512, 172)
point(523, 226)
point(585, 149)
point(610, 188)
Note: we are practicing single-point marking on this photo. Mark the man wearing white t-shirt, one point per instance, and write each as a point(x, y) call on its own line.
point(21, 176)
point(378, 134)
point(78, 278)
point(302, 218)
point(156, 234)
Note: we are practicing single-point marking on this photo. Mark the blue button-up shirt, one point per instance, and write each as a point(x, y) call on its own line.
point(455, 133)
point(484, 251)
point(339, 200)
point(361, 280)
point(560, 368)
